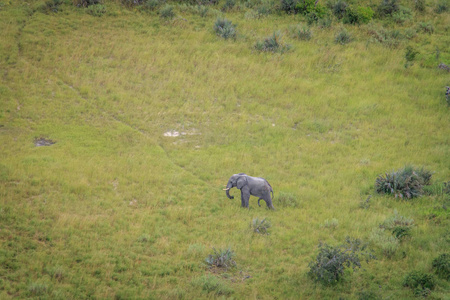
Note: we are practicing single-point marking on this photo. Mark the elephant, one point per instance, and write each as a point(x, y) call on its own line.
point(249, 185)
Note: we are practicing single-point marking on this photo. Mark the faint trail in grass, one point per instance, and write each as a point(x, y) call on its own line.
point(141, 131)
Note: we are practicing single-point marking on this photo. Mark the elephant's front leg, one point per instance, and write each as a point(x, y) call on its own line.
point(245, 197)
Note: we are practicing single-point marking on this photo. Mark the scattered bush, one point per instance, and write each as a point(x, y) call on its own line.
point(229, 5)
point(329, 266)
point(397, 220)
point(96, 10)
point(221, 259)
point(410, 54)
point(410, 33)
point(421, 283)
point(426, 27)
point(387, 243)
point(167, 12)
point(343, 37)
point(306, 7)
point(442, 6)
point(224, 28)
point(441, 266)
point(272, 43)
point(260, 226)
point(287, 200)
point(51, 6)
point(404, 183)
point(301, 32)
point(403, 15)
point(289, 6)
point(212, 284)
point(387, 8)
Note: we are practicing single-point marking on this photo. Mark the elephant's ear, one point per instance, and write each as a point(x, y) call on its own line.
point(241, 182)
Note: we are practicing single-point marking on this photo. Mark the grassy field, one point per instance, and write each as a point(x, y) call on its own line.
point(115, 209)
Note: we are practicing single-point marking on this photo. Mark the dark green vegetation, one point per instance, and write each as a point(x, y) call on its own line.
point(120, 122)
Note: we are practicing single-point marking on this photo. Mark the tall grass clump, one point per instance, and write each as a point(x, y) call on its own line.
point(302, 33)
point(225, 28)
point(222, 258)
point(273, 44)
point(387, 8)
point(285, 199)
point(212, 284)
point(399, 226)
point(442, 6)
point(441, 266)
point(406, 183)
point(387, 243)
point(260, 226)
point(167, 12)
point(97, 10)
point(331, 261)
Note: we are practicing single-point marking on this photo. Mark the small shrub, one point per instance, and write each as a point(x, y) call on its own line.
point(419, 282)
point(272, 43)
point(343, 37)
point(325, 22)
point(360, 15)
point(301, 33)
point(387, 243)
point(368, 295)
point(150, 5)
point(441, 266)
point(329, 266)
point(287, 200)
point(306, 7)
point(389, 38)
point(130, 3)
point(260, 226)
point(224, 28)
point(365, 204)
point(289, 6)
point(221, 259)
point(212, 284)
point(96, 10)
point(442, 6)
point(167, 12)
point(229, 5)
point(397, 220)
point(387, 8)
point(405, 183)
point(403, 15)
point(37, 289)
point(51, 6)
point(426, 27)
point(401, 232)
point(410, 33)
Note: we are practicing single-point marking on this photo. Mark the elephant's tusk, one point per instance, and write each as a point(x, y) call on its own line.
point(226, 189)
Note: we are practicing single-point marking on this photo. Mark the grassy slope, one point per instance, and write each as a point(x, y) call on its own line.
point(119, 210)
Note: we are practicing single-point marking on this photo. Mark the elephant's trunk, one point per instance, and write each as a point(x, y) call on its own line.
point(227, 190)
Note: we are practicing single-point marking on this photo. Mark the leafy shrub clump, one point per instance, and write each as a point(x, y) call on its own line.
point(96, 10)
point(441, 266)
point(405, 183)
point(340, 9)
point(426, 27)
point(442, 6)
point(389, 38)
point(51, 6)
point(289, 6)
point(272, 43)
point(224, 28)
point(221, 259)
point(329, 266)
point(260, 226)
point(306, 7)
point(403, 15)
point(419, 5)
point(343, 37)
point(167, 12)
point(420, 283)
point(229, 5)
point(301, 33)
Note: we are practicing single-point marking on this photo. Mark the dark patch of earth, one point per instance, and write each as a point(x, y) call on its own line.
point(38, 142)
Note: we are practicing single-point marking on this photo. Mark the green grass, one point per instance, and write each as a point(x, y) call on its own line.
point(116, 210)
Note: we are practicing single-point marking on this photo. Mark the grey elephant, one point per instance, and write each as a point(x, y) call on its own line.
point(249, 185)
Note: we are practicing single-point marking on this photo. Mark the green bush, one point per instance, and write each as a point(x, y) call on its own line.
point(343, 37)
point(86, 3)
point(419, 5)
point(403, 15)
point(150, 5)
point(228, 5)
point(340, 9)
point(410, 54)
point(426, 27)
point(260, 226)
point(330, 263)
point(221, 259)
point(224, 28)
point(51, 6)
point(419, 282)
point(289, 6)
point(389, 38)
point(405, 183)
point(96, 10)
point(360, 15)
point(272, 43)
point(167, 12)
point(441, 266)
point(306, 7)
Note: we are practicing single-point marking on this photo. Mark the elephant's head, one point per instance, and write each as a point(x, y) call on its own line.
point(237, 180)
